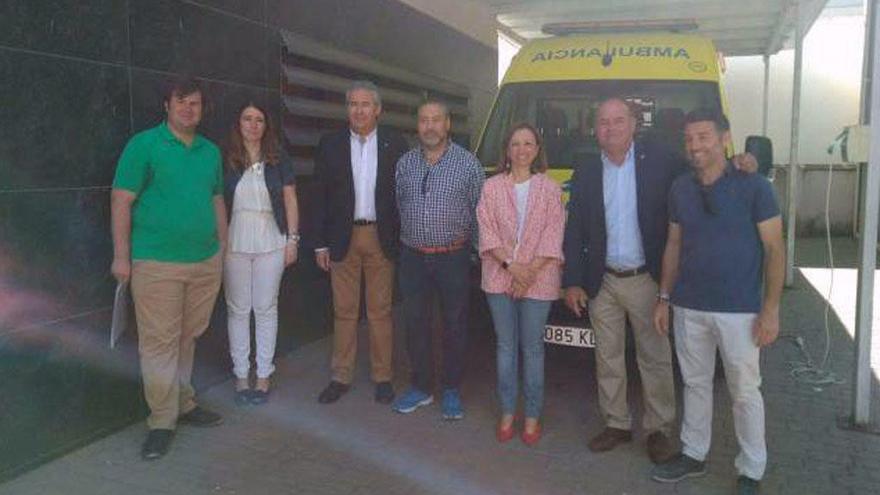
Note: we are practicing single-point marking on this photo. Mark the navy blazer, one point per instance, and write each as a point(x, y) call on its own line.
point(333, 208)
point(585, 244)
point(277, 176)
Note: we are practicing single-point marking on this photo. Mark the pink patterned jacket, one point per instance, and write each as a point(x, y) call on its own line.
point(542, 233)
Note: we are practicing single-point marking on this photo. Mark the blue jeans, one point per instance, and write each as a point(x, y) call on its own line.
point(519, 324)
point(447, 274)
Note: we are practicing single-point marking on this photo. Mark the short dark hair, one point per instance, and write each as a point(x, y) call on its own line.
point(180, 87)
point(435, 101)
point(705, 114)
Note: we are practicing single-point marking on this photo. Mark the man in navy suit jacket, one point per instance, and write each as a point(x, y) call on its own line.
point(614, 241)
point(357, 227)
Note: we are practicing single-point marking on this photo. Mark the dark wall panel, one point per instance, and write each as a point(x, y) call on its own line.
point(56, 247)
point(173, 36)
point(251, 9)
point(71, 119)
point(93, 29)
point(78, 78)
point(69, 101)
point(63, 121)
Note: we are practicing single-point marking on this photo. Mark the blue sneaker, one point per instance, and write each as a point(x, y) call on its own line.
point(451, 407)
point(412, 400)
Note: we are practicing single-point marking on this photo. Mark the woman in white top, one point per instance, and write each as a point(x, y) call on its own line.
point(263, 239)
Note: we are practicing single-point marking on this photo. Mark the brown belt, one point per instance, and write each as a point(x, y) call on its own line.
point(455, 246)
point(361, 222)
point(627, 273)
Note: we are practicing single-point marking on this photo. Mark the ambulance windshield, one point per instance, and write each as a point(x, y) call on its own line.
point(563, 112)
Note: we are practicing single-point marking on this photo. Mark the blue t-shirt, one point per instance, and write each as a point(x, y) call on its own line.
point(721, 262)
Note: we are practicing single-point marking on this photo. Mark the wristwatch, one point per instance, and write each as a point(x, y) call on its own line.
point(663, 296)
point(293, 238)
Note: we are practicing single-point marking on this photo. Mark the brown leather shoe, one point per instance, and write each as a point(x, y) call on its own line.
point(660, 447)
point(609, 438)
point(333, 392)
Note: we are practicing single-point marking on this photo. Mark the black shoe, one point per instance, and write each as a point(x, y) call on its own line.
point(680, 467)
point(200, 417)
point(384, 393)
point(259, 397)
point(747, 486)
point(243, 397)
point(333, 392)
point(157, 443)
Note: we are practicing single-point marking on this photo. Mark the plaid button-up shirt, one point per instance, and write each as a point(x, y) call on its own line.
point(437, 203)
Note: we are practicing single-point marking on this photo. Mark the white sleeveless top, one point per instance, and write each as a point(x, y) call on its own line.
point(253, 229)
point(522, 200)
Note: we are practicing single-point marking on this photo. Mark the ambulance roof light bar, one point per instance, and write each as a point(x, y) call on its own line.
point(610, 27)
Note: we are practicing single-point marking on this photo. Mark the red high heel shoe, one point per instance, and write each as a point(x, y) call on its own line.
point(531, 439)
point(504, 434)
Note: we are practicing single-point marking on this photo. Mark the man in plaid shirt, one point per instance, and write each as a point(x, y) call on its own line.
point(438, 186)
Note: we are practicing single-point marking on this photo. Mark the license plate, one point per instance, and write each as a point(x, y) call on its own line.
point(573, 336)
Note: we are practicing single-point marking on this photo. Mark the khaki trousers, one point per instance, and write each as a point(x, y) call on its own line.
point(364, 256)
point(631, 298)
point(173, 305)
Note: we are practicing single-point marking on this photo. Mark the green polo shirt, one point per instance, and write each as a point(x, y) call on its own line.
point(172, 217)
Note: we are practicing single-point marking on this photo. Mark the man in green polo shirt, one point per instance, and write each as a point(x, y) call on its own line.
point(169, 228)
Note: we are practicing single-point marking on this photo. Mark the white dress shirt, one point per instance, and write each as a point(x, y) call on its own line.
point(624, 239)
point(364, 161)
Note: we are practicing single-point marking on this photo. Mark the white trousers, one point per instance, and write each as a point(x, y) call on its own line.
point(251, 282)
point(697, 335)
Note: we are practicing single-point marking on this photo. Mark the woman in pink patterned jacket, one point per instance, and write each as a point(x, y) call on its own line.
point(521, 220)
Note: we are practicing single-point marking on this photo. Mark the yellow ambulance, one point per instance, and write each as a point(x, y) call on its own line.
point(556, 84)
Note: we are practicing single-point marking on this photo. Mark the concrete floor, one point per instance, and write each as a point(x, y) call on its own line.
point(295, 445)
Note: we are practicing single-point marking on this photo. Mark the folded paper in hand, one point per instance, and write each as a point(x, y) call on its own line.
point(121, 308)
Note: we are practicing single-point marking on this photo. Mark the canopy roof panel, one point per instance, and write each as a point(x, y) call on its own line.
point(741, 27)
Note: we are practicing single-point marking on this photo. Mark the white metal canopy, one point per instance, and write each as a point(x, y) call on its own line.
point(738, 27)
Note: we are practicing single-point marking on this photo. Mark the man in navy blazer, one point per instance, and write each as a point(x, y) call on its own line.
point(614, 241)
point(357, 227)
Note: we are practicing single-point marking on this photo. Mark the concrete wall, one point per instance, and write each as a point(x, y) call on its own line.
point(79, 78)
point(832, 65)
point(474, 18)
point(833, 51)
point(811, 206)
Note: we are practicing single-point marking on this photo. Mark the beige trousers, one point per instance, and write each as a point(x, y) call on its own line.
point(364, 256)
point(631, 298)
point(173, 305)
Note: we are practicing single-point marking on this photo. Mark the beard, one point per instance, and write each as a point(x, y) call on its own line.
point(431, 139)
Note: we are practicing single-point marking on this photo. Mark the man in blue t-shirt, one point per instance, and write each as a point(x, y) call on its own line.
point(724, 246)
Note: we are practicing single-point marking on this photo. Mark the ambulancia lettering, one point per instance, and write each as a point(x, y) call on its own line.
point(615, 51)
